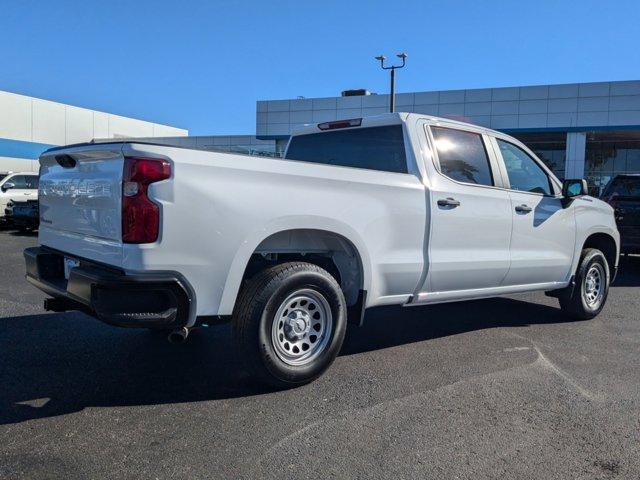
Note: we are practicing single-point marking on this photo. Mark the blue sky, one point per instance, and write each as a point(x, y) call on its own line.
point(202, 65)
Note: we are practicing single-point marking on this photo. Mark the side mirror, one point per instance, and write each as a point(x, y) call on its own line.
point(574, 188)
point(8, 186)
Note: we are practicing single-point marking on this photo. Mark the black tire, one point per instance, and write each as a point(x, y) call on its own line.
point(261, 298)
point(574, 302)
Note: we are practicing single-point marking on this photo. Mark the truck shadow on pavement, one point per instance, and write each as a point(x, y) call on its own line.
point(19, 233)
point(54, 364)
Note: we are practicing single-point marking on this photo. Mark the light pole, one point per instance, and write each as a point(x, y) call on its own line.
point(392, 95)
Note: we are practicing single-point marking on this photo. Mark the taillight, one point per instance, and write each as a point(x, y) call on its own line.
point(141, 216)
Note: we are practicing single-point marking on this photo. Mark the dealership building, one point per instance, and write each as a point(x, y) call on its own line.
point(589, 130)
point(28, 126)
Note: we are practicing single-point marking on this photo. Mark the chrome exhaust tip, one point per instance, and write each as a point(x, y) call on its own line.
point(178, 336)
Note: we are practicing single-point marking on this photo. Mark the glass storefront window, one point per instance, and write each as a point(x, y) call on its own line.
point(609, 154)
point(550, 147)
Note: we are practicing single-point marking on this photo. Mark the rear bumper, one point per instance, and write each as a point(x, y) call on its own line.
point(5, 216)
point(150, 300)
point(24, 221)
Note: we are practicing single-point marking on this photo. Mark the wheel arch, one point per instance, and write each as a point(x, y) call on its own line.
point(606, 244)
point(308, 240)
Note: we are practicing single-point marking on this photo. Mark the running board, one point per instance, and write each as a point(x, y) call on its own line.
point(426, 298)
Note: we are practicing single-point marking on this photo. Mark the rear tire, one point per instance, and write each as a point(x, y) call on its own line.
point(289, 323)
point(589, 295)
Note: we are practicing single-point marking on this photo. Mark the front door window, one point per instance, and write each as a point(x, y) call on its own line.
point(525, 175)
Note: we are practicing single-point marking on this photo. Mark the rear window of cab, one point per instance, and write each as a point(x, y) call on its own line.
point(373, 148)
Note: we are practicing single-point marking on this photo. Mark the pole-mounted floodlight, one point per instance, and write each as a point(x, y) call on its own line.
point(392, 95)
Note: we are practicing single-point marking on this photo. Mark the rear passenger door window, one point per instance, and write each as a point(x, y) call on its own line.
point(462, 156)
point(525, 175)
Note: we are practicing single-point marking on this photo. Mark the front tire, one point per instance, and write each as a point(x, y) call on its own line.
point(289, 323)
point(589, 295)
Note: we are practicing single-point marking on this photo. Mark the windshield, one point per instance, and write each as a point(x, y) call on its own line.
point(25, 182)
point(623, 187)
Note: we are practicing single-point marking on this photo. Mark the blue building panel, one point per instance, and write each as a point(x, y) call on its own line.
point(20, 149)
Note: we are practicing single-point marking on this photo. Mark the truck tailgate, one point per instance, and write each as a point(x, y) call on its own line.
point(80, 201)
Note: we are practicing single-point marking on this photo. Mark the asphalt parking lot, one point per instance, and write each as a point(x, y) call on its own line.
point(501, 388)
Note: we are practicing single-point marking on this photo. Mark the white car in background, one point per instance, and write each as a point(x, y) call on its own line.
point(17, 186)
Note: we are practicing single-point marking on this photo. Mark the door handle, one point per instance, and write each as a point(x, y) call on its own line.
point(523, 208)
point(448, 202)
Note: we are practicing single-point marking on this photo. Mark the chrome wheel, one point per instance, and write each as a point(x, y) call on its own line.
point(593, 286)
point(302, 327)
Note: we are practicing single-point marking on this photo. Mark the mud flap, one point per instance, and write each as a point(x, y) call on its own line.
point(355, 312)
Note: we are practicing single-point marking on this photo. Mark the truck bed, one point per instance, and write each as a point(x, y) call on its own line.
point(216, 208)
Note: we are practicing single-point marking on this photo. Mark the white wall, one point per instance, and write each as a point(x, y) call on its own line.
point(8, 164)
point(576, 152)
point(34, 120)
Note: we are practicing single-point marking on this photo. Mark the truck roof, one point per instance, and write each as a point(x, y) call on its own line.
point(390, 119)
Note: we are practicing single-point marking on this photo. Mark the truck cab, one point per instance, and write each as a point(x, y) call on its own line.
point(498, 220)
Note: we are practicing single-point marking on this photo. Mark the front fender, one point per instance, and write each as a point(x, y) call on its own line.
point(594, 216)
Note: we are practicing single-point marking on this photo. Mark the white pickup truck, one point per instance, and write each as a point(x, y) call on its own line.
point(399, 208)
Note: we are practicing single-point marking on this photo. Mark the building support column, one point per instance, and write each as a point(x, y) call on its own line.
point(575, 155)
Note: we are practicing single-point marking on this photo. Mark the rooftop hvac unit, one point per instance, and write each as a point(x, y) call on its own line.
point(356, 92)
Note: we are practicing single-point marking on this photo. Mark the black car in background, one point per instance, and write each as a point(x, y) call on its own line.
point(23, 216)
point(623, 194)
